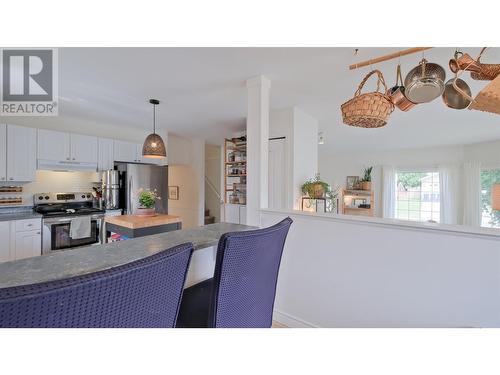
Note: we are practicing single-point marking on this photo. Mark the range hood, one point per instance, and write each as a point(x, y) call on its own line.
point(55, 165)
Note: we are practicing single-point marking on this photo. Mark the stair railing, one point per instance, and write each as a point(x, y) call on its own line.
point(219, 197)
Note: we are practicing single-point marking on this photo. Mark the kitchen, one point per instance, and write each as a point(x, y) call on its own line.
point(49, 174)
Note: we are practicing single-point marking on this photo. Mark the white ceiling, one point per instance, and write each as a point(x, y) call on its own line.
point(202, 92)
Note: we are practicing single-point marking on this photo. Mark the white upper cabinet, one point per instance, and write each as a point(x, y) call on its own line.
point(53, 145)
point(61, 146)
point(125, 151)
point(83, 148)
point(3, 152)
point(138, 153)
point(106, 154)
point(21, 153)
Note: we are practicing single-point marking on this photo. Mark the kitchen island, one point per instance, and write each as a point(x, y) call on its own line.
point(138, 226)
point(83, 260)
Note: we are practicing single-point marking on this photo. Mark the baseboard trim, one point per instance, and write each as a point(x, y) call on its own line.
point(291, 321)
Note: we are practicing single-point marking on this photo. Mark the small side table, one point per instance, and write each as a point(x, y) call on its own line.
point(315, 203)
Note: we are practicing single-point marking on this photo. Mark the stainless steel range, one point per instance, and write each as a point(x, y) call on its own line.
point(58, 210)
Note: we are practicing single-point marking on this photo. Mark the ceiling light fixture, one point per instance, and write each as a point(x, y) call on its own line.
point(154, 147)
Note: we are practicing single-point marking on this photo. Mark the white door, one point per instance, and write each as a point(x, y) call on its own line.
point(125, 151)
point(5, 236)
point(3, 152)
point(83, 148)
point(277, 174)
point(53, 145)
point(27, 244)
point(106, 156)
point(21, 153)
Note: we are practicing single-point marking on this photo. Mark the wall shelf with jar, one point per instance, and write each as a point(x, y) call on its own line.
point(235, 173)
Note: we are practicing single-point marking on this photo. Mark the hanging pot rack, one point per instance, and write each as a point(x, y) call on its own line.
point(387, 57)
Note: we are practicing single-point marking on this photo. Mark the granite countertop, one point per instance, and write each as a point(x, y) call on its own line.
point(18, 214)
point(88, 259)
point(138, 221)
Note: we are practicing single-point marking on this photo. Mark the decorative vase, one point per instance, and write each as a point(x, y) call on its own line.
point(318, 191)
point(366, 185)
point(146, 212)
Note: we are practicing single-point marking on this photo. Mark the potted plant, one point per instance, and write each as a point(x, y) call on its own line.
point(147, 201)
point(315, 188)
point(366, 181)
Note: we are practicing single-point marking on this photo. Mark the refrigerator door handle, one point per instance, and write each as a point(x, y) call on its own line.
point(129, 195)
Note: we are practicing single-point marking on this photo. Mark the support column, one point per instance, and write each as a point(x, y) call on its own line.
point(198, 164)
point(258, 89)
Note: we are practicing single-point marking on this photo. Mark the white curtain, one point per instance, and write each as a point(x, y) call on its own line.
point(448, 192)
point(389, 192)
point(472, 193)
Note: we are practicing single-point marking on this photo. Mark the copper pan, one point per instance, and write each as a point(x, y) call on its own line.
point(397, 93)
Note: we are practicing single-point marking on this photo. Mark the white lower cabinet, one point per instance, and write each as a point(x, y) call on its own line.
point(5, 245)
point(243, 215)
point(27, 244)
point(235, 213)
point(21, 239)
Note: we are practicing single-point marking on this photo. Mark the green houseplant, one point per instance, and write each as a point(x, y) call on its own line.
point(366, 181)
point(315, 188)
point(147, 201)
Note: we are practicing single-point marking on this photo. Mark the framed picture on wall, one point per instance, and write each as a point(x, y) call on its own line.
point(352, 182)
point(173, 192)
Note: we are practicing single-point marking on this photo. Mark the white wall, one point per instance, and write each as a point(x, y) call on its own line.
point(335, 167)
point(305, 153)
point(213, 173)
point(186, 170)
point(339, 272)
point(50, 181)
point(301, 133)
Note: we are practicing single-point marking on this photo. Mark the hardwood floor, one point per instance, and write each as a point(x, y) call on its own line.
point(278, 325)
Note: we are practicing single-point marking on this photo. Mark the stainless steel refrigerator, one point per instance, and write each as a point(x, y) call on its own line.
point(134, 177)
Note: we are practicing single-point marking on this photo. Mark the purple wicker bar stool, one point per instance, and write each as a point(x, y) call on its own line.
point(241, 293)
point(144, 293)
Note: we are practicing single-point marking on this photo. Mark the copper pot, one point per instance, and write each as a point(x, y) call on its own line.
point(464, 62)
point(397, 93)
point(479, 71)
point(457, 94)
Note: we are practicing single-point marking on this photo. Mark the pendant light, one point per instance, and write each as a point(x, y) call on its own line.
point(154, 147)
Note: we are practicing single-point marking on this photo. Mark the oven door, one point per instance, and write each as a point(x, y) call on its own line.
point(56, 234)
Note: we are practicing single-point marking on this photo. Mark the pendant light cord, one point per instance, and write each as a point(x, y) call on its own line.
point(154, 118)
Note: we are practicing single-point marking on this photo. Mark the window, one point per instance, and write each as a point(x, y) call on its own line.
point(417, 196)
point(489, 218)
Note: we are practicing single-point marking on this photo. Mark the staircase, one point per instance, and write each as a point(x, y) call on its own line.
point(209, 219)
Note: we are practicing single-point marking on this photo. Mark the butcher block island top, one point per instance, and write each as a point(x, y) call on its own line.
point(138, 222)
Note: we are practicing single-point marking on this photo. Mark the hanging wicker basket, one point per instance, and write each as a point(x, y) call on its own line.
point(370, 110)
point(488, 100)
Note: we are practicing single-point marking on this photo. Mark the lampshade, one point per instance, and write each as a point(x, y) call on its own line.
point(495, 197)
point(154, 147)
